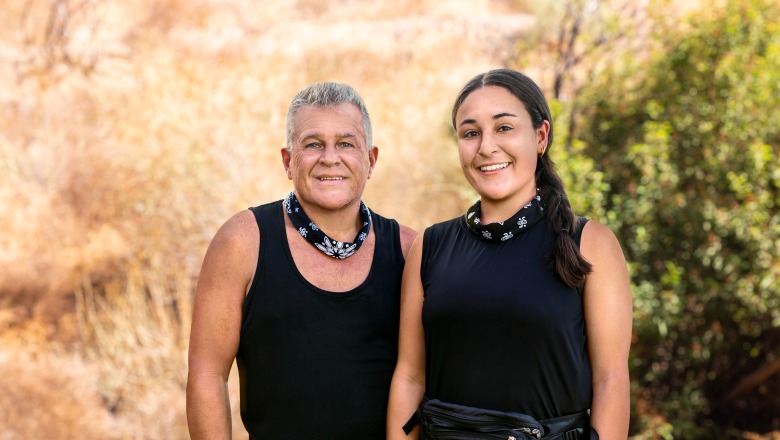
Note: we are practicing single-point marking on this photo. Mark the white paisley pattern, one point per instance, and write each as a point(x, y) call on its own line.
point(336, 249)
point(522, 222)
point(286, 203)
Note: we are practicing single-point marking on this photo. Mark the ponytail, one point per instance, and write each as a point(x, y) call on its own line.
point(565, 257)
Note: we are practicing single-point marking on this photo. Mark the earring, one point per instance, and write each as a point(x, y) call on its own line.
point(542, 153)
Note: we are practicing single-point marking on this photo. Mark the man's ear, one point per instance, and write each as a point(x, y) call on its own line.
point(286, 162)
point(373, 156)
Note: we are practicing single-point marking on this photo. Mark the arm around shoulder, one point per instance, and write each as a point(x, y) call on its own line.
point(608, 318)
point(225, 275)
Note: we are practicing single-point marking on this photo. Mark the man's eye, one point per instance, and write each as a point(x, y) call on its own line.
point(312, 145)
point(346, 145)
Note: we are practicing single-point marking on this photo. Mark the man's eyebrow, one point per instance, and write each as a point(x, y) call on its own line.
point(497, 116)
point(316, 134)
point(310, 135)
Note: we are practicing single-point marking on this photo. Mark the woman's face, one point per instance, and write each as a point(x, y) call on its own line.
point(498, 146)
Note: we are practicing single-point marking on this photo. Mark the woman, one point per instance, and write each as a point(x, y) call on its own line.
point(519, 305)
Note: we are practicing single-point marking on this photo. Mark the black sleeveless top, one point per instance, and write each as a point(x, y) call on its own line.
point(501, 330)
point(313, 363)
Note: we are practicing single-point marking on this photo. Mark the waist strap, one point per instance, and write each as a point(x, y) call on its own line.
point(572, 426)
point(569, 427)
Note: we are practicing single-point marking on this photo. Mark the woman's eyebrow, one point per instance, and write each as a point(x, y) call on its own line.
point(497, 116)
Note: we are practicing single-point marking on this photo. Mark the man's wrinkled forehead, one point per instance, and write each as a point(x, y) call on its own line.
point(343, 120)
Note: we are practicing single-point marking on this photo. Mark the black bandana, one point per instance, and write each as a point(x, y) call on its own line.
point(528, 216)
point(312, 234)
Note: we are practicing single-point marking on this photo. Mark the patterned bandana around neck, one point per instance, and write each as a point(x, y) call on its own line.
point(528, 216)
point(318, 239)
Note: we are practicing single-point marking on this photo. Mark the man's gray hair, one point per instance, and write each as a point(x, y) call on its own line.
point(328, 94)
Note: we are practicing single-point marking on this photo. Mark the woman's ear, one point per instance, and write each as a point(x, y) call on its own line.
point(542, 137)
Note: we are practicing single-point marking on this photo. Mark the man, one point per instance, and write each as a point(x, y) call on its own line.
point(303, 292)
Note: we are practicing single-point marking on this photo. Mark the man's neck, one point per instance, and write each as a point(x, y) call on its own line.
point(342, 224)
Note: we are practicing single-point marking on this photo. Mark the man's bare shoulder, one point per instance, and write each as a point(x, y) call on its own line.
point(238, 229)
point(407, 238)
point(238, 237)
point(231, 258)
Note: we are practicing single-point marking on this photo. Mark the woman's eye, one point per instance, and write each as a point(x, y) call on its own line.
point(504, 128)
point(470, 134)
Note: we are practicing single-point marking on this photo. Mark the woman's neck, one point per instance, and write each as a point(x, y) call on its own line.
point(493, 211)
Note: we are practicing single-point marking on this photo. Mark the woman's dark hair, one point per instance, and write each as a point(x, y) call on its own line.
point(564, 258)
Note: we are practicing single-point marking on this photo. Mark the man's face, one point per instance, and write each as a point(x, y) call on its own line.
point(329, 162)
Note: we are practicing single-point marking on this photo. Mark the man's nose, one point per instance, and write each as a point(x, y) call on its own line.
point(330, 155)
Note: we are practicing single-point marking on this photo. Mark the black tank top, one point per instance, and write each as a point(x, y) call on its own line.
point(501, 330)
point(313, 363)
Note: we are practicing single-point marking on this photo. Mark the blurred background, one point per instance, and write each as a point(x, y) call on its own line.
point(130, 131)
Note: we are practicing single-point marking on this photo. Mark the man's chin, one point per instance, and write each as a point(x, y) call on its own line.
point(332, 202)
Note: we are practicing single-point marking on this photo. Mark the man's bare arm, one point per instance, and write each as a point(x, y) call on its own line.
point(225, 276)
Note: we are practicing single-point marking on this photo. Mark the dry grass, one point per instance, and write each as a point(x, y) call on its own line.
point(49, 395)
point(130, 130)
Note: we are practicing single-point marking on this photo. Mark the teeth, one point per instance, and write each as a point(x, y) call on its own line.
point(331, 178)
point(494, 167)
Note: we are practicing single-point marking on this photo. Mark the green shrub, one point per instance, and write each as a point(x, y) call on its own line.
point(682, 144)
